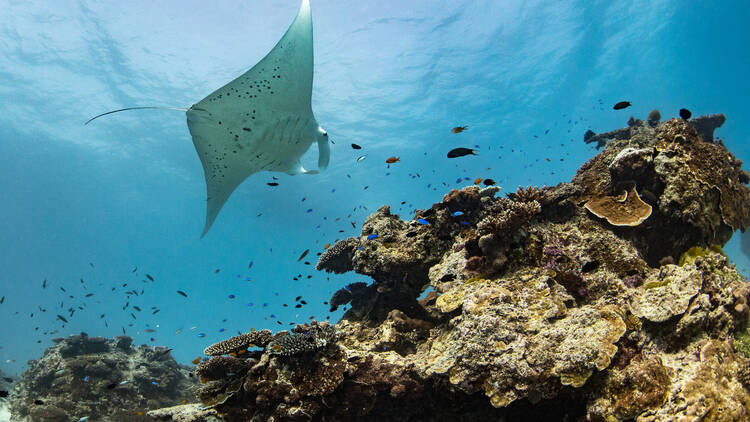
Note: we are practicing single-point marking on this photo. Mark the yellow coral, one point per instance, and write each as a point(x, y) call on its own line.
point(696, 252)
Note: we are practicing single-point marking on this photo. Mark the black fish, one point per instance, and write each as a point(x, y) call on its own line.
point(2, 299)
point(460, 152)
point(355, 146)
point(154, 313)
point(685, 113)
point(272, 184)
point(38, 402)
point(112, 386)
point(303, 255)
point(61, 318)
point(3, 393)
point(217, 271)
point(182, 293)
point(149, 277)
point(89, 295)
point(136, 308)
point(44, 284)
point(621, 105)
point(488, 182)
point(297, 298)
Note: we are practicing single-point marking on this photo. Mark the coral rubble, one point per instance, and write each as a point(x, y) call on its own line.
point(555, 303)
point(101, 380)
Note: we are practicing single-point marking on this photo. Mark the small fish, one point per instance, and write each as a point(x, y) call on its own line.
point(423, 221)
point(372, 236)
point(61, 318)
point(231, 296)
point(196, 360)
point(38, 402)
point(86, 378)
point(201, 335)
point(83, 419)
point(89, 295)
point(685, 113)
point(457, 213)
point(489, 182)
point(149, 277)
point(216, 271)
point(361, 157)
point(149, 330)
point(112, 386)
point(137, 308)
point(2, 299)
point(460, 152)
point(355, 146)
point(478, 180)
point(250, 265)
point(328, 245)
point(182, 293)
point(459, 129)
point(4, 393)
point(44, 284)
point(272, 184)
point(621, 105)
point(303, 255)
point(392, 160)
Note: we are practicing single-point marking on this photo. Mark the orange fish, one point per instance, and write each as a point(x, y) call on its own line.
point(328, 245)
point(140, 413)
point(459, 129)
point(196, 360)
point(478, 180)
point(392, 160)
point(232, 354)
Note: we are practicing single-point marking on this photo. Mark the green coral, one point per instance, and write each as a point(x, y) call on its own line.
point(658, 283)
point(696, 252)
point(742, 340)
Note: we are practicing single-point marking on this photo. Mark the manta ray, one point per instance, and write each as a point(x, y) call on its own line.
point(260, 121)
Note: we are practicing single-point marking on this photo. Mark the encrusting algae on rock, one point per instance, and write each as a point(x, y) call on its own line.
point(554, 303)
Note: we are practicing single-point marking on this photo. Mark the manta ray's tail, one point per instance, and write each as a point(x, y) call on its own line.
point(135, 108)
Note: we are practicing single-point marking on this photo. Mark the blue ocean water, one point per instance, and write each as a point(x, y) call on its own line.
point(94, 209)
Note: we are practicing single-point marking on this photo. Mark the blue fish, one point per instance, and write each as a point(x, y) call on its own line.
point(201, 335)
point(423, 221)
point(458, 180)
point(232, 296)
point(250, 304)
point(86, 378)
point(309, 210)
point(221, 330)
point(372, 236)
point(464, 222)
point(457, 213)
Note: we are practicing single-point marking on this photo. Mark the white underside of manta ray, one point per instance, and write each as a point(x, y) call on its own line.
point(261, 121)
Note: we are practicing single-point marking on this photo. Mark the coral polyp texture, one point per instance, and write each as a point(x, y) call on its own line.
point(549, 304)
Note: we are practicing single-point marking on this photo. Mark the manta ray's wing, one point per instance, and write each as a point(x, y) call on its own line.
point(261, 121)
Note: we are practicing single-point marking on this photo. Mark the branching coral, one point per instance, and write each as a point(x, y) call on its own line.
point(304, 338)
point(505, 215)
point(239, 343)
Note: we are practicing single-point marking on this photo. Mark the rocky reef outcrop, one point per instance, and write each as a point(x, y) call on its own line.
point(603, 299)
point(99, 379)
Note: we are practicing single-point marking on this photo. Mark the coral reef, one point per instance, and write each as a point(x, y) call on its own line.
point(553, 303)
point(102, 379)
